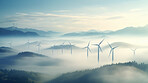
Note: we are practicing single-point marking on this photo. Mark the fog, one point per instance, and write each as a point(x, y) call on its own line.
point(127, 75)
point(58, 63)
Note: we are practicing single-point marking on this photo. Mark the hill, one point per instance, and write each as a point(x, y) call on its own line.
point(6, 49)
point(27, 58)
point(17, 76)
point(64, 47)
point(130, 72)
point(29, 54)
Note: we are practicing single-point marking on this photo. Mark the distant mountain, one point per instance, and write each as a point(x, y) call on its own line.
point(40, 32)
point(16, 33)
point(6, 49)
point(87, 33)
point(133, 31)
point(11, 60)
point(122, 45)
point(130, 72)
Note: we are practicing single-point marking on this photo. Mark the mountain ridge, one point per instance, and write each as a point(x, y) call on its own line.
point(113, 73)
point(16, 33)
point(131, 31)
point(40, 32)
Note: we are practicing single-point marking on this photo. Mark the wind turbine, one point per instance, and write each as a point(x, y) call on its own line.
point(10, 44)
point(70, 47)
point(62, 47)
point(134, 51)
point(52, 48)
point(99, 48)
point(39, 45)
point(112, 51)
point(88, 49)
point(13, 25)
point(28, 44)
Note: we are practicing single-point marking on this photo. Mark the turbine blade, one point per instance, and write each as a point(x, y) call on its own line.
point(63, 43)
point(109, 45)
point(134, 49)
point(101, 42)
point(89, 50)
point(88, 43)
point(39, 44)
point(100, 49)
point(69, 42)
point(131, 49)
point(116, 47)
point(110, 52)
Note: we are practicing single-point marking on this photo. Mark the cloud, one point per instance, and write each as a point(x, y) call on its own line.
point(115, 17)
point(8, 21)
point(136, 10)
point(61, 11)
point(69, 22)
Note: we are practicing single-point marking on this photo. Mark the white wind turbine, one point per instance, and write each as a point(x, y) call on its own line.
point(52, 48)
point(112, 51)
point(39, 46)
point(99, 48)
point(70, 47)
point(10, 44)
point(13, 25)
point(28, 43)
point(134, 51)
point(62, 46)
point(88, 49)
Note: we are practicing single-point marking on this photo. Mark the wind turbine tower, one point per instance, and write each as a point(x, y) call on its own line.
point(134, 51)
point(88, 49)
point(28, 44)
point(62, 46)
point(112, 51)
point(10, 44)
point(39, 46)
point(99, 49)
point(70, 47)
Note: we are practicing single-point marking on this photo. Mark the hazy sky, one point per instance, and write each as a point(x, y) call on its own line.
point(73, 15)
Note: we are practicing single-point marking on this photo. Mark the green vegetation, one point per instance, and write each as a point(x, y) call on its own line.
point(17, 76)
point(114, 73)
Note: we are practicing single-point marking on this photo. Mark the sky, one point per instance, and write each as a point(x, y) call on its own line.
point(73, 15)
